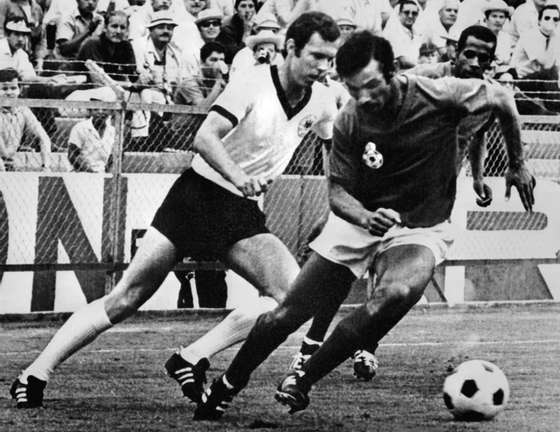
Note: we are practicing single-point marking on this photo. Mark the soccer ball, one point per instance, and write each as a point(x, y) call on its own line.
point(476, 390)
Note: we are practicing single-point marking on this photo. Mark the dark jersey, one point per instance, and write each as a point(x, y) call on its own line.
point(414, 171)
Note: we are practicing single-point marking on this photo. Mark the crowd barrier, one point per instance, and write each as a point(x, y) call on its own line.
point(66, 236)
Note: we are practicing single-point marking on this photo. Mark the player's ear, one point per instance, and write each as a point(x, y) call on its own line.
point(396, 67)
point(289, 47)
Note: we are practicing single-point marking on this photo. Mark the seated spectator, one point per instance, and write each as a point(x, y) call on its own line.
point(140, 19)
point(111, 50)
point(13, 55)
point(160, 65)
point(496, 12)
point(238, 28)
point(537, 52)
point(15, 121)
point(106, 6)
point(134, 6)
point(429, 54)
point(91, 142)
point(209, 23)
point(347, 27)
point(245, 57)
point(444, 27)
point(32, 14)
point(403, 36)
point(74, 28)
point(536, 58)
point(204, 89)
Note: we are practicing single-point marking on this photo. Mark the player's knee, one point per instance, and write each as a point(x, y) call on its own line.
point(121, 304)
point(396, 293)
point(281, 321)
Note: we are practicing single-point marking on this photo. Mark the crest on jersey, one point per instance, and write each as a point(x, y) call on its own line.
point(372, 157)
point(305, 124)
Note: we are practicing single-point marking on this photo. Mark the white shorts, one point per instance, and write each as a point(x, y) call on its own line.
point(354, 247)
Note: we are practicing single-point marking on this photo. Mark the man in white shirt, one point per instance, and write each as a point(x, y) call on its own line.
point(444, 28)
point(496, 13)
point(526, 17)
point(403, 36)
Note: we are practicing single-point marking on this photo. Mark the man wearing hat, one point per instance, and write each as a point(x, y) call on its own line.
point(209, 23)
point(159, 63)
point(12, 49)
point(262, 48)
point(346, 25)
point(496, 12)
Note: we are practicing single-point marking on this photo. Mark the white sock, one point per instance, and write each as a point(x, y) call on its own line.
point(81, 329)
point(233, 329)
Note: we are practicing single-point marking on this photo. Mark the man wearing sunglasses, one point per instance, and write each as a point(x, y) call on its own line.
point(403, 35)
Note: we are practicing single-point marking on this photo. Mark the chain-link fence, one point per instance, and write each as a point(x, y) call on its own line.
point(85, 209)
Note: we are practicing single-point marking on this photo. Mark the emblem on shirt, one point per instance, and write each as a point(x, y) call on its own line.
point(305, 124)
point(371, 157)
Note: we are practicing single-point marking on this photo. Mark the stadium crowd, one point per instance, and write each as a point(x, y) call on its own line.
point(183, 52)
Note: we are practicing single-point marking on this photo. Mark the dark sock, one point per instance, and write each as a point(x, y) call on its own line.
point(340, 345)
point(263, 339)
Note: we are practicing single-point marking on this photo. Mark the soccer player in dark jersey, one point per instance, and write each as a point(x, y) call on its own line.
point(211, 211)
point(476, 48)
point(392, 186)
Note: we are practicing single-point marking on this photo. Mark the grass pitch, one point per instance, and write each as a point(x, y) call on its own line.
point(118, 383)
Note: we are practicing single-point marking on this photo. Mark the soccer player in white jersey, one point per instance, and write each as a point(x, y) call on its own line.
point(246, 141)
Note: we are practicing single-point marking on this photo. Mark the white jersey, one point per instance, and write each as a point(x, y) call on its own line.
point(267, 130)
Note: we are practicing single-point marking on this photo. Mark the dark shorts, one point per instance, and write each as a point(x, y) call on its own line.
point(203, 220)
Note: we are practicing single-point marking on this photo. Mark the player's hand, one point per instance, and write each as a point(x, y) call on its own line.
point(483, 193)
point(524, 182)
point(253, 186)
point(379, 221)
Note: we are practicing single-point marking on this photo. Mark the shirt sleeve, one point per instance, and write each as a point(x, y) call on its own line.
point(32, 124)
point(472, 95)
point(76, 136)
point(345, 156)
point(236, 99)
point(65, 29)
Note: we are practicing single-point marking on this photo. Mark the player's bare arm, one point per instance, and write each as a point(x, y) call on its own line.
point(208, 142)
point(517, 174)
point(345, 206)
point(477, 154)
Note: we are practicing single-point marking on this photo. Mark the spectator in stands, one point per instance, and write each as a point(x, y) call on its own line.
point(403, 35)
point(347, 27)
point(209, 23)
point(111, 49)
point(106, 6)
point(74, 28)
point(13, 54)
point(203, 89)
point(429, 54)
point(444, 27)
point(238, 28)
point(15, 121)
point(536, 58)
point(91, 142)
point(496, 12)
point(526, 17)
point(140, 19)
point(245, 57)
point(32, 13)
point(211, 288)
point(365, 13)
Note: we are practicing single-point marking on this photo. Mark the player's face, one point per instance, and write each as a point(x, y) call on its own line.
point(475, 57)
point(314, 60)
point(10, 88)
point(496, 21)
point(369, 87)
point(117, 29)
